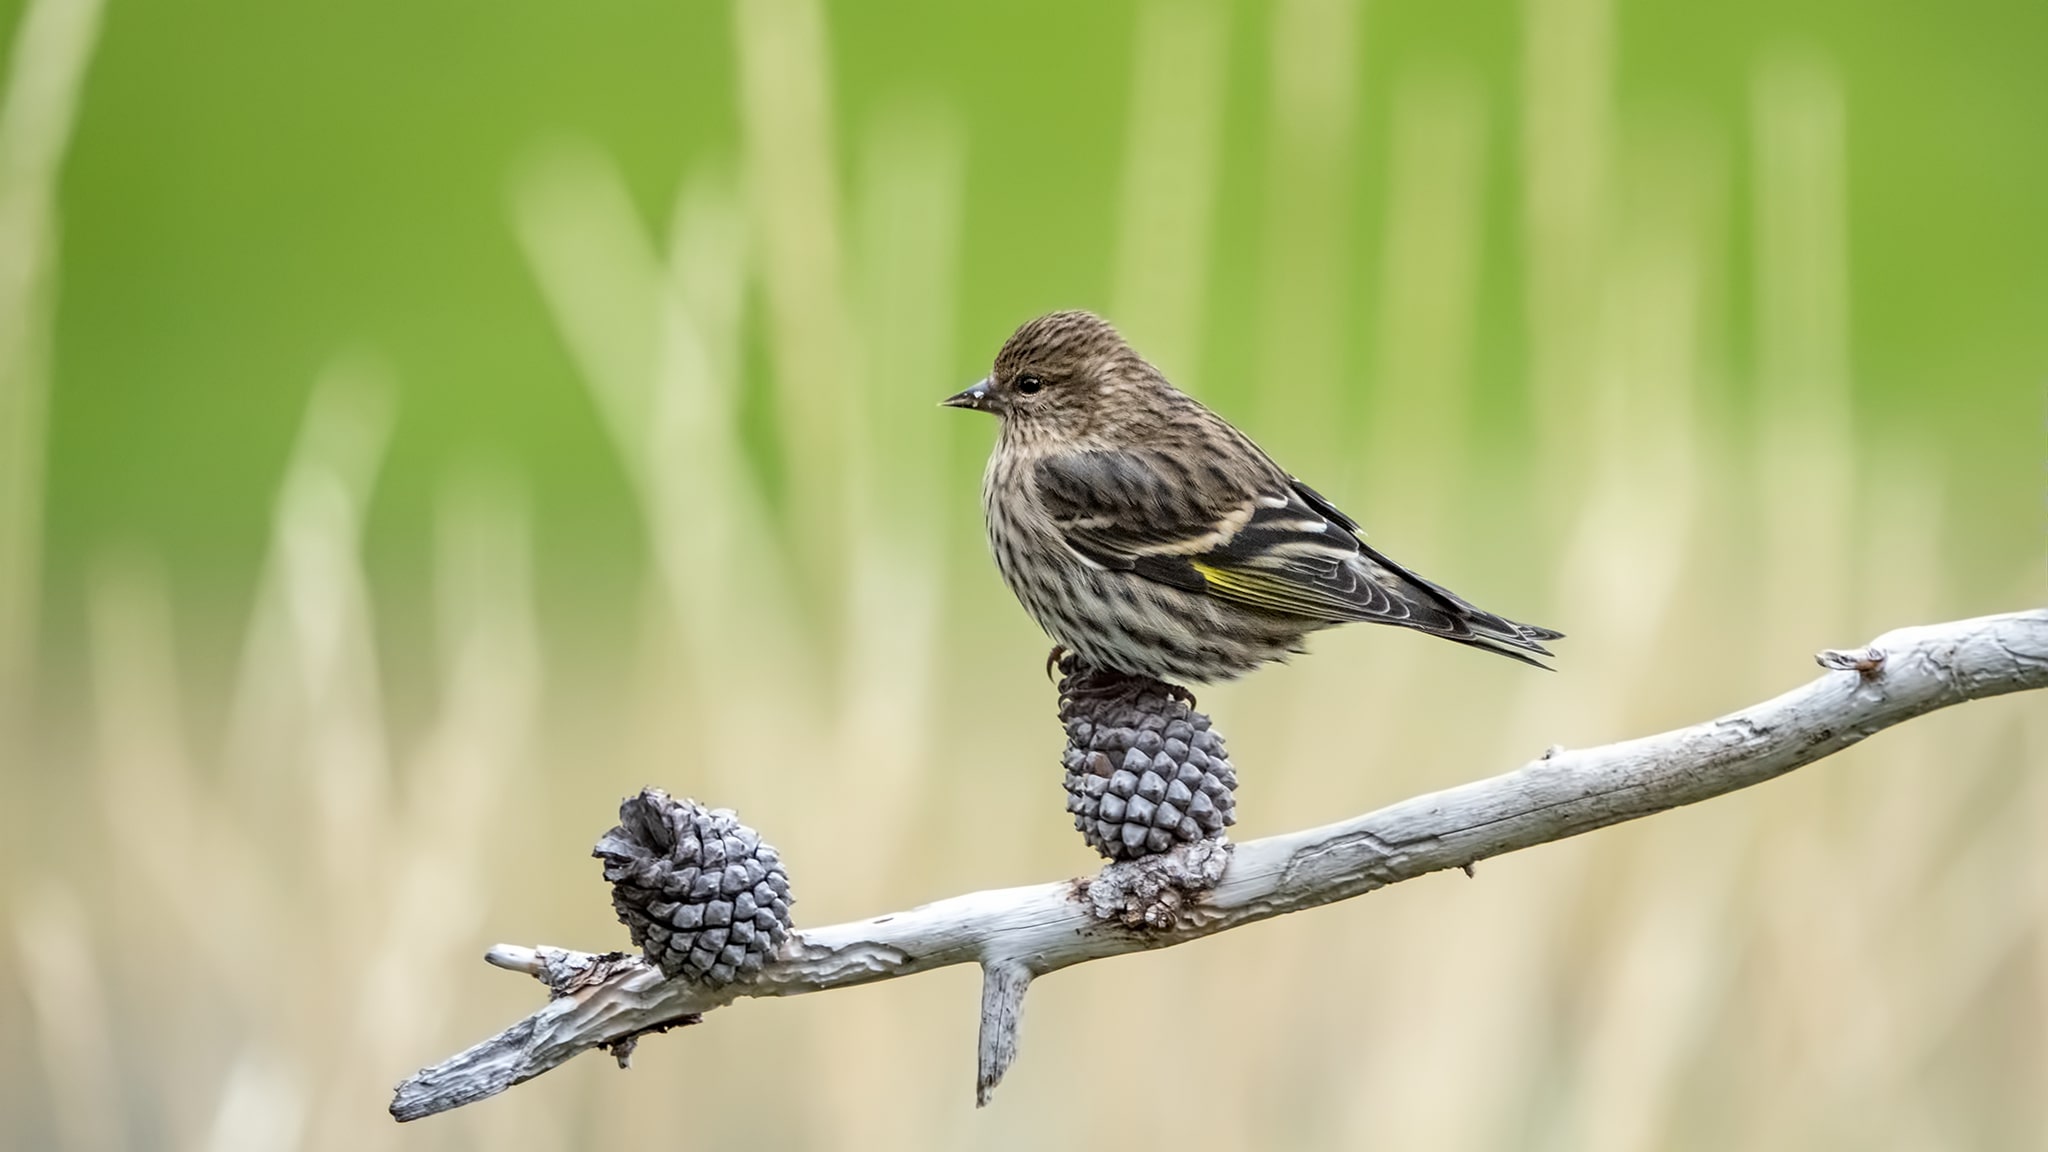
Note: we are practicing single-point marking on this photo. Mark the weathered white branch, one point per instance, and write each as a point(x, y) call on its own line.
point(1017, 934)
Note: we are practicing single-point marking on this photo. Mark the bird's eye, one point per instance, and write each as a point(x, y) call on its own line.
point(1028, 384)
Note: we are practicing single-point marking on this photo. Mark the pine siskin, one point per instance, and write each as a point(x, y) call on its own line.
point(1149, 536)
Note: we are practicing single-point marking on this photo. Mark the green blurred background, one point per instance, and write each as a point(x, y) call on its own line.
point(423, 423)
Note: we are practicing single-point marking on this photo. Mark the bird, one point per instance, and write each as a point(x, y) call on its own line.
point(1150, 537)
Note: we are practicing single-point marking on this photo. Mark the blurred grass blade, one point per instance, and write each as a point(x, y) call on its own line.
point(308, 710)
point(1661, 985)
point(656, 334)
point(656, 330)
point(792, 188)
point(61, 976)
point(194, 882)
point(1304, 280)
point(1635, 531)
point(711, 524)
point(601, 277)
point(1173, 147)
point(1430, 268)
point(909, 211)
point(141, 743)
point(461, 780)
point(1417, 430)
point(1804, 424)
point(53, 43)
point(262, 1108)
point(1567, 110)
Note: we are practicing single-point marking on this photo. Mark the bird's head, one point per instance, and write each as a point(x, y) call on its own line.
point(1057, 374)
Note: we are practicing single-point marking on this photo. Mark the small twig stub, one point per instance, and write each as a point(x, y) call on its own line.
point(1865, 662)
point(1003, 985)
point(622, 1048)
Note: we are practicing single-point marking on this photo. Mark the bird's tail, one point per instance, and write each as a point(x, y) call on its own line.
point(1441, 612)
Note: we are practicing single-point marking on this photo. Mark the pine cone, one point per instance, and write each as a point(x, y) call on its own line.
point(703, 896)
point(1145, 771)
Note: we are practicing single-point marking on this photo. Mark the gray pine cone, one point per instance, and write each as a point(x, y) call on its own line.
point(1145, 771)
point(703, 896)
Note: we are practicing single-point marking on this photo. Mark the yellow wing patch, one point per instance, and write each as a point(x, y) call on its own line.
point(1273, 593)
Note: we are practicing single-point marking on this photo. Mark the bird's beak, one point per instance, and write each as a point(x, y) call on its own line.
point(975, 397)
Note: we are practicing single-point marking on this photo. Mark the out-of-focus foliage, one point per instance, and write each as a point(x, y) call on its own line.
point(422, 424)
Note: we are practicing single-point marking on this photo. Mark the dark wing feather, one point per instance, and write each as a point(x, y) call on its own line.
point(1266, 542)
point(1119, 508)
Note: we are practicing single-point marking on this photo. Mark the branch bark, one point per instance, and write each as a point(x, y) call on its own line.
point(1017, 934)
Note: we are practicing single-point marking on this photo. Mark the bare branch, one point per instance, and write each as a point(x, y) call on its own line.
point(1017, 934)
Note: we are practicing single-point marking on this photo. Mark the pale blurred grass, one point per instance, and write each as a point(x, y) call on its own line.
point(52, 49)
point(253, 933)
point(1304, 273)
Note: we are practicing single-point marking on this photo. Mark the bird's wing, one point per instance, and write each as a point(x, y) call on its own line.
point(1141, 511)
point(1256, 540)
point(1267, 542)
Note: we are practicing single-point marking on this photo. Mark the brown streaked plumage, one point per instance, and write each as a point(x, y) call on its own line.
point(1147, 534)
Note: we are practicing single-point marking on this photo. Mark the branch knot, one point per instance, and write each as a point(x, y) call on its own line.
point(1160, 891)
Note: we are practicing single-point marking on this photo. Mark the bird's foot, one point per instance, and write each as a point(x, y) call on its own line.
point(1052, 660)
point(1177, 692)
point(1160, 891)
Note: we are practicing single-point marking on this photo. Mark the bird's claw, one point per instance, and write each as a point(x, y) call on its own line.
point(1052, 660)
